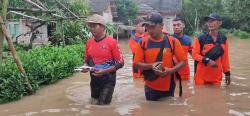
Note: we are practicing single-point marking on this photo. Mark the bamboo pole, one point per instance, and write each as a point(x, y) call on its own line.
point(15, 56)
point(35, 4)
point(3, 14)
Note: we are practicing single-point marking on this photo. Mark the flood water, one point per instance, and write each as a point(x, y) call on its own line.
point(70, 97)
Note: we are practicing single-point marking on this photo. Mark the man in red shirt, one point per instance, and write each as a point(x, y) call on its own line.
point(103, 53)
point(162, 82)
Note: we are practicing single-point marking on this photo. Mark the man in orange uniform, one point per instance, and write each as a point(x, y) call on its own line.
point(178, 26)
point(211, 52)
point(134, 41)
point(146, 55)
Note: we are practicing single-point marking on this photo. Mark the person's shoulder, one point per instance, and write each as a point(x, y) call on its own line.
point(202, 36)
point(90, 39)
point(170, 37)
point(110, 39)
point(187, 38)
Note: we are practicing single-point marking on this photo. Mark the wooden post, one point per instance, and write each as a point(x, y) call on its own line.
point(63, 37)
point(3, 13)
point(15, 56)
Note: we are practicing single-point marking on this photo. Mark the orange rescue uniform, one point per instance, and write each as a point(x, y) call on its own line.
point(133, 42)
point(187, 47)
point(147, 53)
point(208, 74)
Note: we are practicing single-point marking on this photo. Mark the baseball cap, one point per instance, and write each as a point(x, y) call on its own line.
point(214, 16)
point(153, 19)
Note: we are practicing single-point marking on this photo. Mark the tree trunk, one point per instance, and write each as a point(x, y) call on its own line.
point(15, 56)
point(3, 14)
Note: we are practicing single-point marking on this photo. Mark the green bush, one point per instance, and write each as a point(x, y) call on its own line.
point(5, 47)
point(225, 31)
point(241, 34)
point(43, 66)
point(111, 28)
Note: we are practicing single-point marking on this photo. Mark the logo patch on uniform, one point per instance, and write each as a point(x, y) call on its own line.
point(104, 47)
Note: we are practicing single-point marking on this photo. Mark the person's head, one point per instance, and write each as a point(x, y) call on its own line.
point(154, 25)
point(213, 21)
point(96, 24)
point(178, 25)
point(139, 28)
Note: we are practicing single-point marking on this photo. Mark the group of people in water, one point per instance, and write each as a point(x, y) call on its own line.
point(159, 58)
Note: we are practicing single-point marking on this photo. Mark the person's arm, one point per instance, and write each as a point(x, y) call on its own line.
point(85, 57)
point(196, 51)
point(179, 55)
point(225, 64)
point(198, 57)
point(139, 58)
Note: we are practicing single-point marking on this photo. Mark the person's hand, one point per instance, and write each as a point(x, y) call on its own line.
point(212, 64)
point(157, 68)
point(100, 72)
point(168, 71)
point(228, 80)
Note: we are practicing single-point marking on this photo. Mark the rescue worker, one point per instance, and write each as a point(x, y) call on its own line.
point(162, 70)
point(136, 36)
point(102, 51)
point(211, 52)
point(178, 26)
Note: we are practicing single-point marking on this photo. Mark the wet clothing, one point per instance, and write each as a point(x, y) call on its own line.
point(208, 74)
point(148, 51)
point(186, 43)
point(133, 42)
point(102, 88)
point(105, 51)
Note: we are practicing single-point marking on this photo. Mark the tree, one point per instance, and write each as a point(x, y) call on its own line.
point(195, 10)
point(127, 11)
point(239, 11)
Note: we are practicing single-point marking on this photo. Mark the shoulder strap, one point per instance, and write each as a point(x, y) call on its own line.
point(178, 76)
point(202, 41)
point(160, 54)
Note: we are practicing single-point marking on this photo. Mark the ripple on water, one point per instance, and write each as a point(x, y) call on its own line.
point(235, 113)
point(30, 113)
point(247, 113)
point(238, 94)
point(126, 109)
point(239, 77)
point(52, 110)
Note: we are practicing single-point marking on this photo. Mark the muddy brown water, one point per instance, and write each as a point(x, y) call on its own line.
point(70, 97)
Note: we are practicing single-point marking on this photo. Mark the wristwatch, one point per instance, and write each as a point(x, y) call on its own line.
point(207, 60)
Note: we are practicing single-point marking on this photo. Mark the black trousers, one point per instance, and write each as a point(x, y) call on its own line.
point(102, 88)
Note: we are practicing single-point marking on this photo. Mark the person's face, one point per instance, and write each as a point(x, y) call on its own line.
point(154, 30)
point(96, 29)
point(139, 28)
point(178, 26)
point(213, 24)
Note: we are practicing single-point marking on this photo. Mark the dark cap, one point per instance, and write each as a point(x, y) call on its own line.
point(214, 16)
point(153, 19)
